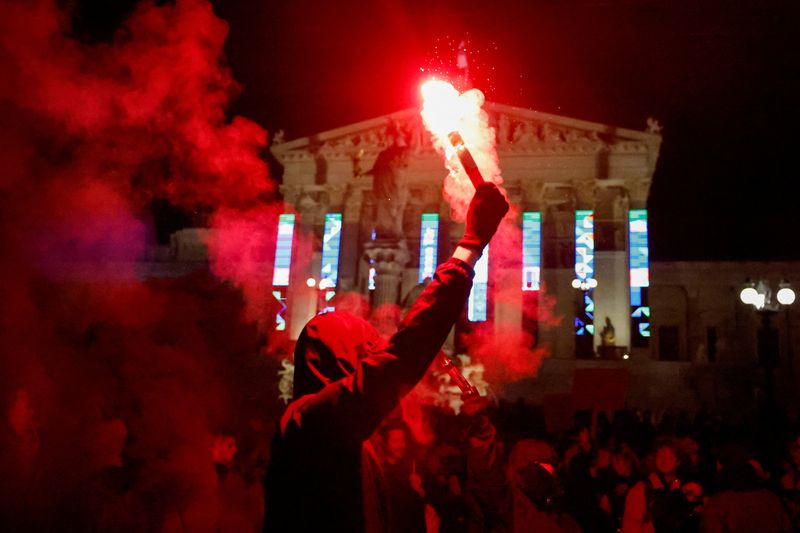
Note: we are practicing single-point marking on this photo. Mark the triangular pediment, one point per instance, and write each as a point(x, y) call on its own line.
point(517, 129)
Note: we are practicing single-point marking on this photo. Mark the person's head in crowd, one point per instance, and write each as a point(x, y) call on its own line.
point(445, 461)
point(329, 348)
point(539, 484)
point(794, 449)
point(736, 469)
point(693, 491)
point(624, 462)
point(603, 458)
point(532, 466)
point(690, 449)
point(666, 457)
point(584, 439)
point(395, 441)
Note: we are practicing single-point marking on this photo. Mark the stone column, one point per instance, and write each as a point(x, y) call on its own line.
point(351, 229)
point(389, 258)
point(612, 295)
point(558, 266)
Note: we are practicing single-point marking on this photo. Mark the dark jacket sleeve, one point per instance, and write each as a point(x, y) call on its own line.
point(352, 408)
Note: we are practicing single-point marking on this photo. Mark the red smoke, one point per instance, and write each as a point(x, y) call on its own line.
point(114, 389)
point(509, 352)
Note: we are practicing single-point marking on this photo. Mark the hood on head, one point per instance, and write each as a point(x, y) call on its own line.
point(329, 348)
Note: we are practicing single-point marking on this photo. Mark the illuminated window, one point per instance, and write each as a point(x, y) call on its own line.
point(639, 275)
point(476, 307)
point(531, 250)
point(282, 266)
point(584, 269)
point(329, 269)
point(428, 245)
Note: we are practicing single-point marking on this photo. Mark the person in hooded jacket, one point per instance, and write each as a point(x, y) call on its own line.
point(347, 379)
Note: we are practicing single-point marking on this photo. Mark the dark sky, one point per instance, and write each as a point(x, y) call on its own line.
point(721, 76)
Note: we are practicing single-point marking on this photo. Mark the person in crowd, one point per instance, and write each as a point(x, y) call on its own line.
point(615, 485)
point(790, 481)
point(446, 492)
point(524, 495)
point(580, 478)
point(401, 495)
point(743, 503)
point(347, 379)
point(658, 503)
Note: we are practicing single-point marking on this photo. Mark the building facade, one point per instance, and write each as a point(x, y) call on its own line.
point(677, 332)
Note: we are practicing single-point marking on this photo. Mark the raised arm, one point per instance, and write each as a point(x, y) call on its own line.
point(355, 405)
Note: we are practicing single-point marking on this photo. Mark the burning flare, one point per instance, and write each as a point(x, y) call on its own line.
point(461, 132)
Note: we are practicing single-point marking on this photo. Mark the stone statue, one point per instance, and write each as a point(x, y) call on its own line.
point(653, 126)
point(608, 336)
point(503, 129)
point(390, 190)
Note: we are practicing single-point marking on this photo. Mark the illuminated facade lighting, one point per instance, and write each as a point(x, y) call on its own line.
point(282, 267)
point(428, 245)
point(531, 250)
point(639, 275)
point(476, 306)
point(584, 270)
point(329, 268)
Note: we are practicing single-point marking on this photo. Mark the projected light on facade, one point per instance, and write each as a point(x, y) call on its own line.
point(476, 306)
point(584, 269)
point(639, 275)
point(428, 245)
point(531, 250)
point(282, 267)
point(329, 268)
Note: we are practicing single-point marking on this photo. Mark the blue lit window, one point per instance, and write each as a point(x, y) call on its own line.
point(428, 245)
point(329, 269)
point(639, 271)
point(282, 266)
point(531, 250)
point(283, 251)
point(584, 269)
point(476, 306)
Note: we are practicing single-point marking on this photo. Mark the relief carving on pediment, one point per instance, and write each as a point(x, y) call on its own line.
point(515, 130)
point(406, 131)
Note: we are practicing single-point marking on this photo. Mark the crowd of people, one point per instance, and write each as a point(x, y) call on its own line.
point(342, 458)
point(496, 468)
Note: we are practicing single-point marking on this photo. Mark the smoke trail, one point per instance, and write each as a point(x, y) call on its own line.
point(505, 349)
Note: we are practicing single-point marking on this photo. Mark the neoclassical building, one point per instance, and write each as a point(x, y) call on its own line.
point(369, 196)
point(580, 187)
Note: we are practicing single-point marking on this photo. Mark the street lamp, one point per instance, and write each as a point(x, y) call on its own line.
point(785, 294)
point(324, 290)
point(584, 284)
point(759, 295)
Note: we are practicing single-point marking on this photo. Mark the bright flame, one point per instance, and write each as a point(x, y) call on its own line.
point(442, 107)
point(444, 110)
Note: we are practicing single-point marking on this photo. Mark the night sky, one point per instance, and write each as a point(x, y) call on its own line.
point(722, 77)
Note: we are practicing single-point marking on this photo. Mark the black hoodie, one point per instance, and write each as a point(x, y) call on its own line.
point(346, 380)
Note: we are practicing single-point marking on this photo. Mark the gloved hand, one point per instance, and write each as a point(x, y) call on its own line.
point(475, 415)
point(487, 209)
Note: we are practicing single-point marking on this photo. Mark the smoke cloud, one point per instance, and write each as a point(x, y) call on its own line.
point(129, 403)
point(507, 352)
